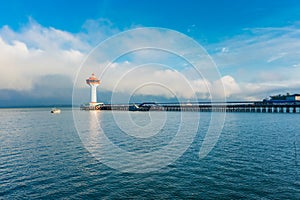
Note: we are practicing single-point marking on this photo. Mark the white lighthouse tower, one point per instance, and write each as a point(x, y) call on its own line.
point(93, 82)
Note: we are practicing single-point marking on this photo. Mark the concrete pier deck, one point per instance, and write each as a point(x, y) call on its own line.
point(237, 106)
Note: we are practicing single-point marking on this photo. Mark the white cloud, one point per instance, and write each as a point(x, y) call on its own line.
point(255, 64)
point(151, 79)
point(154, 79)
point(229, 84)
point(261, 58)
point(36, 51)
point(262, 46)
point(276, 57)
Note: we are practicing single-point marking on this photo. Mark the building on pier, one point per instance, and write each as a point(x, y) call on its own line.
point(294, 97)
point(287, 97)
point(282, 99)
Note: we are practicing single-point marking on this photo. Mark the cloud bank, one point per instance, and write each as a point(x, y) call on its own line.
point(41, 62)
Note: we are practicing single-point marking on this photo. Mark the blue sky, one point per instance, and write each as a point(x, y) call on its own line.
point(255, 43)
point(214, 19)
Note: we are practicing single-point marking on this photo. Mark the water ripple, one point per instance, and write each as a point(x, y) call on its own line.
point(42, 157)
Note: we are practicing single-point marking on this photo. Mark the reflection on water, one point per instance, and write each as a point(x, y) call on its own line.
point(117, 141)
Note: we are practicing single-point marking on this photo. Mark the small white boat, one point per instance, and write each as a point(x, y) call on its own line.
point(55, 111)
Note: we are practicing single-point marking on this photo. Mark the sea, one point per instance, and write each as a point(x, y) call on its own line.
point(148, 155)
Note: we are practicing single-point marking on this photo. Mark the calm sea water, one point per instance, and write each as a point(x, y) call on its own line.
point(42, 156)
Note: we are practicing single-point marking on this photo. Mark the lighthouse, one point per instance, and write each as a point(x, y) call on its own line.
point(93, 82)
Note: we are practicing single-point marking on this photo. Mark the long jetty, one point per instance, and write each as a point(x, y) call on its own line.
point(233, 106)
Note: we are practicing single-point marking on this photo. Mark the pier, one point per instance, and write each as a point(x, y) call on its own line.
point(275, 104)
point(237, 106)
